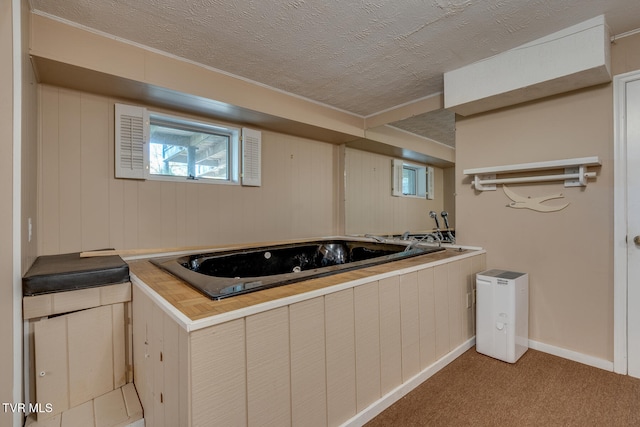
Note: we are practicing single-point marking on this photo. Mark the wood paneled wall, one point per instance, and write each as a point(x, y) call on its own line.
point(82, 206)
point(369, 205)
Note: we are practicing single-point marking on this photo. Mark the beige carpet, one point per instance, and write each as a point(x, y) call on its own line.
point(538, 390)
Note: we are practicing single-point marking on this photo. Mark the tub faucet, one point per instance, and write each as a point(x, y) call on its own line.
point(415, 242)
point(434, 215)
point(450, 235)
point(405, 235)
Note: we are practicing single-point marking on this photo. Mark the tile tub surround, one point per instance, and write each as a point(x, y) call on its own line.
point(191, 307)
point(332, 350)
point(224, 274)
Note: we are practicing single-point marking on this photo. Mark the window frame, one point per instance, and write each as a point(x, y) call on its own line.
point(184, 123)
point(423, 179)
point(132, 147)
point(414, 180)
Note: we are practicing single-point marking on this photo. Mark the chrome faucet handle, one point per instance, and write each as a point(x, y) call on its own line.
point(445, 217)
point(434, 215)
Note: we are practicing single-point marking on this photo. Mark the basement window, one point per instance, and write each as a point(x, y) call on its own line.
point(193, 150)
point(412, 180)
point(162, 147)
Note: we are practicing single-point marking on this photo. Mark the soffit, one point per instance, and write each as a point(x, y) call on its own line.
point(362, 57)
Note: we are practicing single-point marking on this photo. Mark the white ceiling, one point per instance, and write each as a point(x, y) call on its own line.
point(361, 56)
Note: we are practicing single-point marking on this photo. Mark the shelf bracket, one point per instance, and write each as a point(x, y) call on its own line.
point(480, 182)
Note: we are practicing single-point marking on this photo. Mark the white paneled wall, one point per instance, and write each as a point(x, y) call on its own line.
point(82, 206)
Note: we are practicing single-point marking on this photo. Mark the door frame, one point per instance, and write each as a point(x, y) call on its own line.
point(621, 301)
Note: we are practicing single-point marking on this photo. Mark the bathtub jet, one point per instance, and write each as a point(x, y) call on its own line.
point(229, 273)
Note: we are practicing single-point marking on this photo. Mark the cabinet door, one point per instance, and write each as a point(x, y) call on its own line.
point(79, 356)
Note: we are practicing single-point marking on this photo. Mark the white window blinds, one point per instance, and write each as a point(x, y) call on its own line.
point(251, 157)
point(132, 133)
point(396, 177)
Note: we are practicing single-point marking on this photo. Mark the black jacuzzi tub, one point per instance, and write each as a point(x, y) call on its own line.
point(228, 273)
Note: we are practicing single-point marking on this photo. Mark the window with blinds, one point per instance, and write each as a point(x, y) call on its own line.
point(163, 147)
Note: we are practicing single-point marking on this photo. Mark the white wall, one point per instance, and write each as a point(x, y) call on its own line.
point(17, 192)
point(568, 254)
point(7, 356)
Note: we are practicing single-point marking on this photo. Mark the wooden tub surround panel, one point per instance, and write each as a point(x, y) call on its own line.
point(367, 320)
point(308, 363)
point(410, 325)
point(339, 322)
point(268, 368)
point(390, 334)
point(161, 350)
point(322, 360)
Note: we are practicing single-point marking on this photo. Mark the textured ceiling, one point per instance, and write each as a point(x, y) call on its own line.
point(439, 125)
point(361, 56)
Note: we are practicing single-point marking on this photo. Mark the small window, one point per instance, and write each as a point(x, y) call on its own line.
point(157, 146)
point(409, 180)
point(180, 148)
point(412, 180)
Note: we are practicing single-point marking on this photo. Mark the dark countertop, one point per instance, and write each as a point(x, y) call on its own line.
point(68, 272)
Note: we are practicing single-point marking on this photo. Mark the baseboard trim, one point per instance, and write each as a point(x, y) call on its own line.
point(572, 355)
point(396, 394)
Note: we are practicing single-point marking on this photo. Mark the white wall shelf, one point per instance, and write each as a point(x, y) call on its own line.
point(575, 173)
